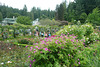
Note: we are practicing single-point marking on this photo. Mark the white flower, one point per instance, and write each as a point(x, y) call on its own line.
point(69, 27)
point(18, 44)
point(9, 62)
point(96, 33)
point(7, 40)
point(87, 38)
point(2, 63)
point(66, 30)
point(9, 48)
point(88, 41)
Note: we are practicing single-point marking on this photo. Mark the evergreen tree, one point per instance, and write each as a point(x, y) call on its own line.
point(24, 11)
point(1, 17)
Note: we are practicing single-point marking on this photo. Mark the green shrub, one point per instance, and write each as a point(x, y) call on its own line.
point(85, 32)
point(56, 52)
point(88, 28)
point(49, 22)
point(25, 41)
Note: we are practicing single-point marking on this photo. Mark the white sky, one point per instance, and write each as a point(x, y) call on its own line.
point(43, 4)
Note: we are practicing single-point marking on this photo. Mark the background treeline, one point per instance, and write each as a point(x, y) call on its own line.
point(78, 10)
point(35, 13)
point(83, 10)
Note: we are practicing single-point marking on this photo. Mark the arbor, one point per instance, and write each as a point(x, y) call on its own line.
point(24, 20)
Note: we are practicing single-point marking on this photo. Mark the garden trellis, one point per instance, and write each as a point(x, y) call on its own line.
point(17, 30)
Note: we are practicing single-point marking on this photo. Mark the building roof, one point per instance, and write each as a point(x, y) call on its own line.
point(9, 20)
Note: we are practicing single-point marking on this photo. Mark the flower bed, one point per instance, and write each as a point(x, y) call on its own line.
point(57, 51)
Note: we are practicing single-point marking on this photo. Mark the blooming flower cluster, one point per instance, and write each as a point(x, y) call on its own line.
point(60, 42)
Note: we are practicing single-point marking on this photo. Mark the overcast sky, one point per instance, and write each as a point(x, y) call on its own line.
point(43, 4)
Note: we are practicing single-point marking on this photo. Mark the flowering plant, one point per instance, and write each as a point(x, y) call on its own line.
point(56, 51)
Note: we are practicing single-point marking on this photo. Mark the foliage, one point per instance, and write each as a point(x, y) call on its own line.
point(23, 41)
point(1, 17)
point(49, 22)
point(24, 11)
point(33, 14)
point(55, 50)
point(77, 10)
point(24, 20)
point(63, 50)
point(29, 41)
point(92, 53)
point(61, 11)
point(82, 32)
point(83, 17)
point(12, 55)
point(94, 17)
point(72, 48)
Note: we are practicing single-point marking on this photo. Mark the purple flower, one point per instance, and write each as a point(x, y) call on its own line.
point(59, 42)
point(50, 40)
point(31, 47)
point(36, 46)
point(83, 43)
point(78, 46)
point(74, 37)
point(30, 65)
point(56, 42)
point(46, 38)
point(78, 62)
point(77, 40)
point(33, 43)
point(78, 59)
point(26, 46)
point(34, 60)
point(68, 33)
point(46, 49)
point(37, 43)
point(79, 52)
point(62, 47)
point(74, 47)
point(29, 56)
point(68, 54)
point(84, 40)
point(72, 40)
point(64, 41)
point(34, 51)
point(31, 62)
point(41, 52)
point(43, 41)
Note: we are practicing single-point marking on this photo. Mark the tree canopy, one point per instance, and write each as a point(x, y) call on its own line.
point(35, 13)
point(1, 17)
point(24, 20)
